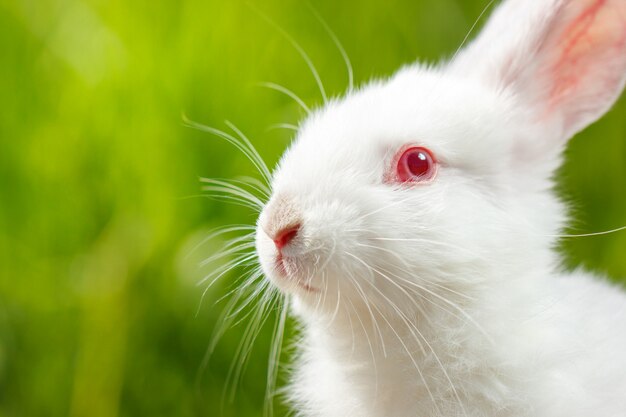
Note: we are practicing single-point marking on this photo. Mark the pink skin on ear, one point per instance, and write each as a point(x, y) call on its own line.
point(591, 45)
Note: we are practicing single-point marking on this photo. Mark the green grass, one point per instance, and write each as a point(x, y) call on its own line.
point(100, 314)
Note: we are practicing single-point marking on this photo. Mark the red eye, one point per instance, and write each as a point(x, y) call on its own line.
point(415, 164)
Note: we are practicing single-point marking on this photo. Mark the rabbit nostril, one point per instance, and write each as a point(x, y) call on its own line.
point(283, 237)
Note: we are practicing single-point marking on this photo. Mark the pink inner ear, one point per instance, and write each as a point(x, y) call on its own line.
point(590, 40)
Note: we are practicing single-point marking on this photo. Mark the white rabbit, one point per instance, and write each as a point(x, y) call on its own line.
point(412, 224)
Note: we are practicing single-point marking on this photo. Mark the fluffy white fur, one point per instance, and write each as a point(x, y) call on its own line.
point(446, 299)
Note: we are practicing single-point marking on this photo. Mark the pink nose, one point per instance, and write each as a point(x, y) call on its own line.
point(286, 235)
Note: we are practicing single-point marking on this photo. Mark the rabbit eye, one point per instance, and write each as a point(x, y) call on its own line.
point(415, 164)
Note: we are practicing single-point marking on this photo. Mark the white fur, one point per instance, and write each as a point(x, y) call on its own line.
point(446, 299)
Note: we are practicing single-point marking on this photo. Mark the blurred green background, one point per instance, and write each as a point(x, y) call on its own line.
point(100, 311)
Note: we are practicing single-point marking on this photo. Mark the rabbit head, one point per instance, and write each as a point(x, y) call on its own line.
point(440, 177)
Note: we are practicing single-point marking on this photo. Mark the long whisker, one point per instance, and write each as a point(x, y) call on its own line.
point(226, 319)
point(243, 351)
point(298, 48)
point(351, 325)
point(265, 170)
point(237, 315)
point(287, 126)
point(338, 44)
point(228, 251)
point(213, 195)
point(248, 279)
point(606, 232)
point(369, 343)
point(378, 210)
point(377, 330)
point(406, 349)
point(234, 372)
point(287, 92)
point(450, 303)
point(413, 328)
point(243, 184)
point(218, 232)
point(366, 265)
point(250, 153)
point(406, 264)
point(255, 184)
point(334, 315)
point(237, 246)
point(431, 241)
point(469, 33)
point(220, 272)
point(274, 359)
point(226, 187)
point(389, 251)
point(216, 335)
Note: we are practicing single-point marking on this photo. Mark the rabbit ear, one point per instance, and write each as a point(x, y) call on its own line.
point(565, 59)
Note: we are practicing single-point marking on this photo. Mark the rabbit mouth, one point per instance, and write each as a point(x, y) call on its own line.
point(287, 269)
